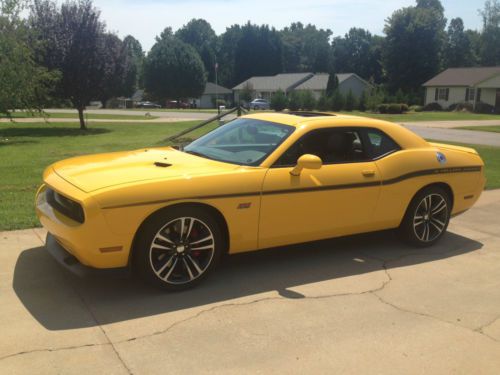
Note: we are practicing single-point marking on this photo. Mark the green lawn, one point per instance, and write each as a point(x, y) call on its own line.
point(427, 116)
point(90, 116)
point(493, 129)
point(26, 149)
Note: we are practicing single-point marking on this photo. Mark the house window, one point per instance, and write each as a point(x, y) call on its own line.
point(470, 94)
point(442, 94)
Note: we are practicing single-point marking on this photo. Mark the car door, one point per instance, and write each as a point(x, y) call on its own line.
point(335, 200)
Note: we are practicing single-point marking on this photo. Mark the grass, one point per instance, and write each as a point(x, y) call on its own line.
point(90, 116)
point(492, 129)
point(26, 149)
point(427, 116)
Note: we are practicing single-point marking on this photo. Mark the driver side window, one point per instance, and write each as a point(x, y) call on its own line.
point(335, 145)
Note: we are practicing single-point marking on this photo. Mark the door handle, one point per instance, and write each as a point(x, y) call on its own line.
point(368, 173)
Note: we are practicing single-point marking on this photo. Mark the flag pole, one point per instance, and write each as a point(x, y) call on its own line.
point(216, 89)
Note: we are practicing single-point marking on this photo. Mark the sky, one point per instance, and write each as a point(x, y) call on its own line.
point(145, 19)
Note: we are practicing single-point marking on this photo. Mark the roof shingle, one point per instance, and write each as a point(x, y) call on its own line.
point(463, 76)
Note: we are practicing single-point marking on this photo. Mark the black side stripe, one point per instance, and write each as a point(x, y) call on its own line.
point(395, 180)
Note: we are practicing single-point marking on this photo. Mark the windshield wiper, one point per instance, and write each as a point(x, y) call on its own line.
point(196, 153)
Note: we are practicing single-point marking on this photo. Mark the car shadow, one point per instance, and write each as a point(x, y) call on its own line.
point(59, 300)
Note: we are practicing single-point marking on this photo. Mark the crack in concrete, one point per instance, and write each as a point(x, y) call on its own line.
point(49, 350)
point(373, 291)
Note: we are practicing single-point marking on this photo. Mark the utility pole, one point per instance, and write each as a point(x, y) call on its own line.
point(216, 88)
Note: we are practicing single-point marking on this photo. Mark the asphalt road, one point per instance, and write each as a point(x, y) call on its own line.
point(365, 304)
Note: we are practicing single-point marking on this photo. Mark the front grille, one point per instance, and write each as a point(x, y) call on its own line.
point(65, 206)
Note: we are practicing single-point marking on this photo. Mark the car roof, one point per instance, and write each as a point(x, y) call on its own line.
point(317, 120)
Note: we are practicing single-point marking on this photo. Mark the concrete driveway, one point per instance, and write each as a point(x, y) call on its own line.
point(365, 304)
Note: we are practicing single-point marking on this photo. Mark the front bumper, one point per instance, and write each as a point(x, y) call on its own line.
point(71, 263)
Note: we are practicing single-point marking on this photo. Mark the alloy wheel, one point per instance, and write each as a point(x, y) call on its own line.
point(430, 218)
point(182, 250)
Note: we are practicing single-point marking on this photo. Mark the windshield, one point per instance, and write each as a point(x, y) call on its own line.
point(242, 141)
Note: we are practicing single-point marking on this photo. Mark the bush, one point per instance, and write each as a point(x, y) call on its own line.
point(461, 107)
point(337, 101)
point(308, 101)
point(393, 108)
point(279, 101)
point(374, 99)
point(416, 108)
point(382, 108)
point(294, 101)
point(482, 107)
point(362, 102)
point(350, 101)
point(432, 107)
point(324, 103)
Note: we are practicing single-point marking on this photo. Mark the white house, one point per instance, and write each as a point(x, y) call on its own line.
point(265, 87)
point(211, 92)
point(465, 85)
point(347, 82)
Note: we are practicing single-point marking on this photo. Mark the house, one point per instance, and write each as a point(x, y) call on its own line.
point(265, 87)
point(213, 91)
point(347, 82)
point(465, 85)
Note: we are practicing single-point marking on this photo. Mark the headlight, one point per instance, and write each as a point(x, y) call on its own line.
point(65, 206)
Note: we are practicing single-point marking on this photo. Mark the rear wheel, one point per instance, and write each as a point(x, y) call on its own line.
point(178, 248)
point(427, 217)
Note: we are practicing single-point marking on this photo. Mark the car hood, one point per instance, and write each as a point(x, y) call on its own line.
point(93, 172)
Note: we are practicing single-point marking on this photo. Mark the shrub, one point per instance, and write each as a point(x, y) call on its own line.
point(382, 108)
point(279, 101)
point(432, 107)
point(362, 102)
point(374, 99)
point(350, 101)
point(416, 108)
point(461, 107)
point(394, 108)
point(324, 103)
point(337, 101)
point(482, 107)
point(294, 101)
point(308, 101)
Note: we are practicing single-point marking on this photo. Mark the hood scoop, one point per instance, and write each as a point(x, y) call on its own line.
point(161, 164)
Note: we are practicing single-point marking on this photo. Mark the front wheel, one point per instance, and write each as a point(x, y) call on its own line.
point(178, 248)
point(427, 217)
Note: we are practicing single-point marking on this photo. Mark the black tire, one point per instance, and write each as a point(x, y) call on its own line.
point(172, 261)
point(427, 217)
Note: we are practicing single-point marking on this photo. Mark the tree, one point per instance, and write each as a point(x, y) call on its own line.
point(72, 38)
point(359, 52)
point(332, 84)
point(411, 53)
point(199, 34)
point(362, 101)
point(279, 101)
point(119, 70)
point(173, 70)
point(306, 48)
point(23, 83)
point(457, 48)
point(134, 52)
point(490, 36)
point(247, 93)
point(257, 53)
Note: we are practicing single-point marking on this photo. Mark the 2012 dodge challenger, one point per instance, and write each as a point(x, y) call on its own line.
point(259, 181)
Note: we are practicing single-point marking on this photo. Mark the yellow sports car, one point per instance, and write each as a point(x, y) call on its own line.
point(259, 181)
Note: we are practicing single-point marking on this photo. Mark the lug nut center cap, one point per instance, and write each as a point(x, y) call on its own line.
point(180, 249)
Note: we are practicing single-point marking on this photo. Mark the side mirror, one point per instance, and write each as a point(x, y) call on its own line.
point(306, 161)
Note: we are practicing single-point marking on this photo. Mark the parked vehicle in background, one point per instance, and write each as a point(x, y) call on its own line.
point(148, 105)
point(175, 104)
point(259, 104)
